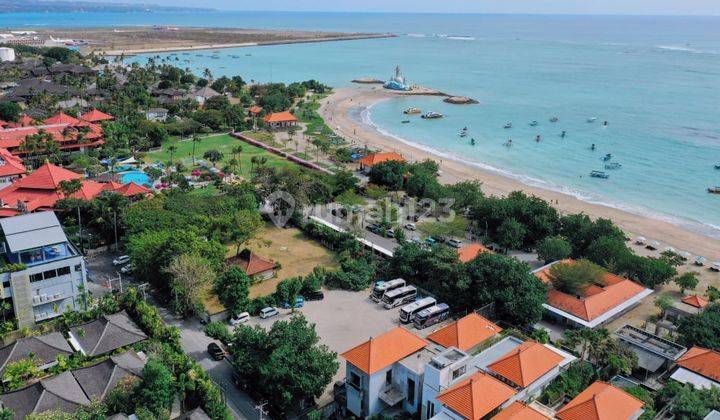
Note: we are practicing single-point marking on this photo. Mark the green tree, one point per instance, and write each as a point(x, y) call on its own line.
point(232, 288)
point(574, 278)
point(288, 290)
point(663, 301)
point(511, 234)
point(703, 329)
point(16, 374)
point(189, 275)
point(712, 293)
point(157, 390)
point(388, 174)
point(195, 140)
point(687, 281)
point(553, 248)
point(286, 364)
point(213, 156)
point(9, 111)
point(171, 149)
point(646, 397)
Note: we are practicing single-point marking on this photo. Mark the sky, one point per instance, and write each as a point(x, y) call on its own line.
point(633, 7)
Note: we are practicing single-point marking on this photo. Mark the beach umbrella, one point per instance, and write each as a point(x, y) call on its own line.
point(670, 249)
point(654, 245)
point(640, 240)
point(685, 255)
point(699, 260)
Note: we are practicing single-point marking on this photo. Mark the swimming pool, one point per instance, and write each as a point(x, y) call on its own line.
point(138, 177)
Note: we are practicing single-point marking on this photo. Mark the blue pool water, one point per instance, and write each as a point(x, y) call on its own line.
point(137, 177)
point(655, 79)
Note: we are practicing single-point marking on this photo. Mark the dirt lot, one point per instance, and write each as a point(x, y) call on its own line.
point(296, 254)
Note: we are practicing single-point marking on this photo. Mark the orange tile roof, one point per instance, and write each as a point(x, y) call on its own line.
point(374, 158)
point(62, 118)
point(598, 300)
point(96, 116)
point(384, 350)
point(132, 189)
point(696, 301)
point(284, 116)
point(10, 165)
point(255, 109)
point(112, 186)
point(601, 401)
point(469, 252)
point(475, 397)
point(47, 177)
point(526, 363)
point(702, 361)
point(251, 263)
point(465, 333)
point(520, 411)
point(89, 190)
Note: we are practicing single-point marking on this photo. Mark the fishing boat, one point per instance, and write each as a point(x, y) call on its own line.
point(405, 121)
point(599, 174)
point(463, 134)
point(717, 166)
point(431, 115)
point(592, 119)
point(412, 110)
point(606, 157)
point(508, 143)
point(714, 190)
point(554, 119)
point(508, 125)
point(613, 165)
point(533, 123)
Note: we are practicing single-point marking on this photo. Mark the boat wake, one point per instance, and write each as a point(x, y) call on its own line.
point(707, 229)
point(685, 49)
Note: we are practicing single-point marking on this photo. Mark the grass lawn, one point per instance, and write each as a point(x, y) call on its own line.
point(223, 143)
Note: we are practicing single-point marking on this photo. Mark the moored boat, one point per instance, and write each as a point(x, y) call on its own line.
point(554, 119)
point(714, 190)
point(613, 165)
point(431, 115)
point(599, 174)
point(412, 110)
point(533, 123)
point(592, 119)
point(606, 157)
point(508, 125)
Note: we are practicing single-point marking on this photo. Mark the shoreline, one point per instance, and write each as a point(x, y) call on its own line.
point(159, 49)
point(336, 110)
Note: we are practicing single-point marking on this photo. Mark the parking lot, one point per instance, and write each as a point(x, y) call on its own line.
point(343, 320)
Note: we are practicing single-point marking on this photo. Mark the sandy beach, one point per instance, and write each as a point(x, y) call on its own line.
point(336, 112)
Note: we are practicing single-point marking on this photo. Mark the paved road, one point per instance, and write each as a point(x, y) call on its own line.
point(193, 339)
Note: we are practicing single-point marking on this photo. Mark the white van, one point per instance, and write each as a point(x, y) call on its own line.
point(240, 319)
point(268, 312)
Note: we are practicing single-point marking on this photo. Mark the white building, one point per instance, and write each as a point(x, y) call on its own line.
point(7, 54)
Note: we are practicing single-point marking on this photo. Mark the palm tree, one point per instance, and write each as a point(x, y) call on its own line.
point(172, 149)
point(195, 139)
point(208, 74)
point(253, 161)
point(236, 151)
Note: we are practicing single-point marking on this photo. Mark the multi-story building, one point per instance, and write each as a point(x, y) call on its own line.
point(43, 274)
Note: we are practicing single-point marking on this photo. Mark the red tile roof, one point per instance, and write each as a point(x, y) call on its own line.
point(62, 118)
point(469, 252)
point(374, 158)
point(25, 120)
point(702, 361)
point(696, 301)
point(10, 165)
point(601, 401)
point(255, 109)
point(597, 300)
point(47, 177)
point(384, 350)
point(475, 397)
point(251, 263)
point(520, 411)
point(96, 116)
point(465, 333)
point(67, 135)
point(527, 362)
point(112, 186)
point(132, 189)
point(284, 116)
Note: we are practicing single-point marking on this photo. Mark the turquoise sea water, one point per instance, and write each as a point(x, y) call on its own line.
point(656, 80)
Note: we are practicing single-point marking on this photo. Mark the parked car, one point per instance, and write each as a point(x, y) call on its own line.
point(268, 312)
point(410, 227)
point(127, 268)
point(299, 303)
point(430, 240)
point(390, 233)
point(123, 259)
point(240, 319)
point(454, 243)
point(215, 351)
point(372, 227)
point(317, 295)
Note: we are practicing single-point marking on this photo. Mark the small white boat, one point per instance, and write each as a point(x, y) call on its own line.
point(554, 119)
point(463, 134)
point(412, 110)
point(431, 115)
point(508, 125)
point(592, 119)
point(533, 123)
point(613, 165)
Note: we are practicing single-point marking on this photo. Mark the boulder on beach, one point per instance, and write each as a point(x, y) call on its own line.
point(368, 81)
point(460, 100)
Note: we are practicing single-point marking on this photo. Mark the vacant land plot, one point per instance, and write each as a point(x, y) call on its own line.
point(223, 143)
point(296, 254)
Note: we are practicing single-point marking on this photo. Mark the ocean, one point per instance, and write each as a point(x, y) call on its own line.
point(655, 80)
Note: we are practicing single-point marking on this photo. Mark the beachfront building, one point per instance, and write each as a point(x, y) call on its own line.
point(280, 120)
point(699, 367)
point(402, 371)
point(156, 114)
point(202, 94)
point(686, 307)
point(368, 161)
point(46, 273)
point(602, 401)
point(598, 304)
point(655, 354)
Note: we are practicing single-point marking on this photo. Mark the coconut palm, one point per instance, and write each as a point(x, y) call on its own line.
point(171, 149)
point(196, 139)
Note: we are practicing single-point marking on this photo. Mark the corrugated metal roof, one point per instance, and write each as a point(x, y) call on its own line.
point(32, 231)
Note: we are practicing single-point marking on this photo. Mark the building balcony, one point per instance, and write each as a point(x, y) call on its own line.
point(43, 299)
point(391, 395)
point(46, 315)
